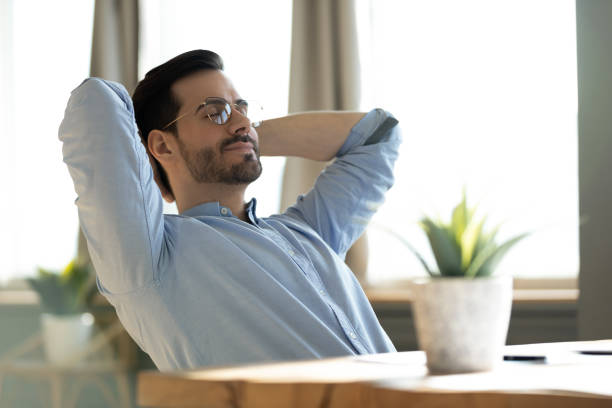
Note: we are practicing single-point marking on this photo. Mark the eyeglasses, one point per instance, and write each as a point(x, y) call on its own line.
point(219, 111)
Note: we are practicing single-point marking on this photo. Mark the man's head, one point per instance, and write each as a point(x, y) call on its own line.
point(198, 146)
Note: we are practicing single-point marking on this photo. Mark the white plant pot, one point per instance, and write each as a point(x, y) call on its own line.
point(65, 336)
point(461, 323)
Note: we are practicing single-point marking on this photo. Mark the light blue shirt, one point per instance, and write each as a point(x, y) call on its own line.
point(205, 288)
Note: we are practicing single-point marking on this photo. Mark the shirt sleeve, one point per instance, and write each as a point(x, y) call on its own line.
point(348, 192)
point(119, 203)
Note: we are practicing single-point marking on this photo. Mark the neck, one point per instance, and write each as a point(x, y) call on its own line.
point(230, 196)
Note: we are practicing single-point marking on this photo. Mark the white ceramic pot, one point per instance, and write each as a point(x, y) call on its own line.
point(65, 336)
point(462, 323)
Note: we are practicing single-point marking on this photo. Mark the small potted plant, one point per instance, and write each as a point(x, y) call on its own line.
point(461, 311)
point(65, 297)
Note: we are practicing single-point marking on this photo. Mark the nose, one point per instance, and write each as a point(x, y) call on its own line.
point(238, 122)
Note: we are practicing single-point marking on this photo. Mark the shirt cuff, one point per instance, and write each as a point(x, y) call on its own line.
point(369, 130)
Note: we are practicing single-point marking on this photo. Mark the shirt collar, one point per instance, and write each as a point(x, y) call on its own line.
point(251, 206)
point(213, 208)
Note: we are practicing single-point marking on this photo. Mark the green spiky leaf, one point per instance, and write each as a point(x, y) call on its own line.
point(460, 219)
point(489, 257)
point(445, 249)
point(469, 241)
point(488, 267)
point(463, 247)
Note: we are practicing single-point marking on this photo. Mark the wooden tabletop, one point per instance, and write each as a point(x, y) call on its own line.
point(566, 379)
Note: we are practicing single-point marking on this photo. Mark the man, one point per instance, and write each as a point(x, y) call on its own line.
point(217, 284)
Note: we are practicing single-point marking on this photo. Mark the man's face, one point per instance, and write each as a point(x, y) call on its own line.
point(227, 153)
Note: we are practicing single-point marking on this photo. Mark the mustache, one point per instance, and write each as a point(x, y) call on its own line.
point(240, 138)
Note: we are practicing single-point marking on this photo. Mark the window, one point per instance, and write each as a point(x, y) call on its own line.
point(253, 38)
point(486, 94)
point(37, 72)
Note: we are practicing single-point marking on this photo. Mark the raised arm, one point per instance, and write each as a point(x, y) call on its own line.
point(348, 191)
point(311, 135)
point(119, 204)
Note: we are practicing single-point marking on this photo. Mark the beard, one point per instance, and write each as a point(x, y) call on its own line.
point(208, 165)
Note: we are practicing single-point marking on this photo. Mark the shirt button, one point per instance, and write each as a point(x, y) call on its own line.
point(322, 292)
point(291, 252)
point(224, 211)
point(353, 335)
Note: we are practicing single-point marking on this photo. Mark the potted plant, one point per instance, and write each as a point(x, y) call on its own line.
point(461, 311)
point(65, 297)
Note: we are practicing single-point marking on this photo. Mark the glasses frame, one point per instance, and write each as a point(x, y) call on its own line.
point(201, 105)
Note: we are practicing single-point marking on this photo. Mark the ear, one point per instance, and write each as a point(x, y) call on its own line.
point(160, 146)
point(157, 148)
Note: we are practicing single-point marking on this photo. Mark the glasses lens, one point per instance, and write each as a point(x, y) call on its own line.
point(218, 111)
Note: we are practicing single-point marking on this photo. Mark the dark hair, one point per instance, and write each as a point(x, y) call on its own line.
point(154, 103)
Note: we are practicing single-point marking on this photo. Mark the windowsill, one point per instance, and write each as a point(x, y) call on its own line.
point(525, 291)
point(18, 297)
point(27, 297)
point(562, 290)
point(388, 295)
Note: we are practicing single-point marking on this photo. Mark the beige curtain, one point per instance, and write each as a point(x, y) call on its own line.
point(324, 76)
point(114, 50)
point(114, 56)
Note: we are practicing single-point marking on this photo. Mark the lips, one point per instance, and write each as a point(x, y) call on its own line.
point(240, 147)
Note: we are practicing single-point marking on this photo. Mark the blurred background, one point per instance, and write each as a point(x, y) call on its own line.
point(486, 93)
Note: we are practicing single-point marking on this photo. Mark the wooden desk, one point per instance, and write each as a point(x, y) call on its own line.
point(567, 379)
